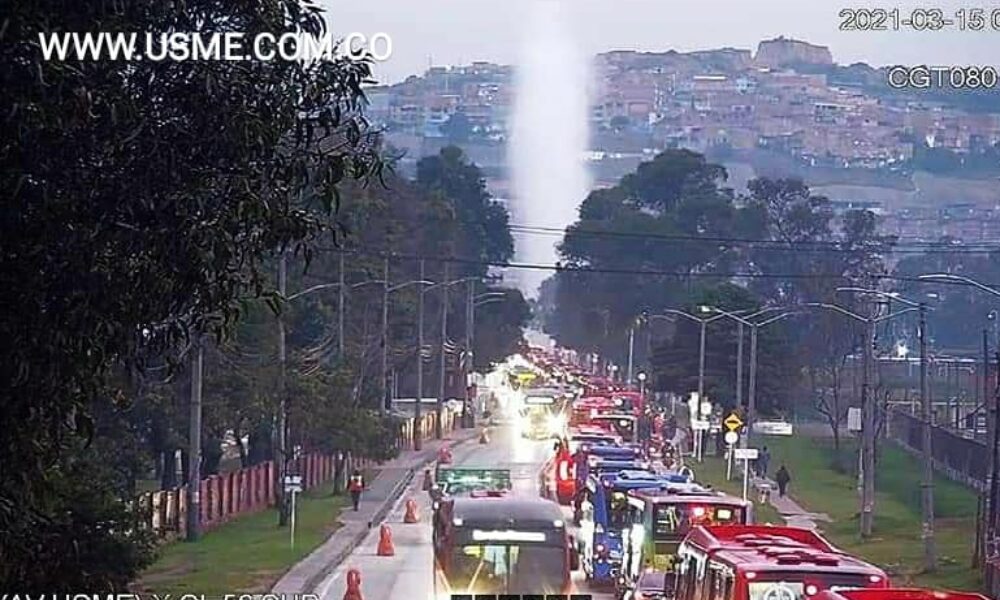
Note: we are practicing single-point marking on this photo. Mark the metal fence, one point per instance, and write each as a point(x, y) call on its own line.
point(960, 458)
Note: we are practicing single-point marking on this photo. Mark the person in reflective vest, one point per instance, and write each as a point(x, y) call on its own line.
point(355, 486)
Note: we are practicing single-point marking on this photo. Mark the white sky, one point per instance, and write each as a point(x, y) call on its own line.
point(449, 32)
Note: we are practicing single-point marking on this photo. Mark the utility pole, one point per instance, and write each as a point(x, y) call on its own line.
point(439, 408)
point(751, 387)
point(994, 480)
point(701, 362)
point(739, 376)
point(867, 433)
point(385, 337)
point(631, 349)
point(194, 446)
point(470, 316)
point(927, 504)
point(417, 434)
point(281, 455)
point(990, 496)
point(341, 308)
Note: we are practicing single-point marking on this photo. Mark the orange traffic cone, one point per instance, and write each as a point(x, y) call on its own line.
point(411, 512)
point(385, 547)
point(353, 585)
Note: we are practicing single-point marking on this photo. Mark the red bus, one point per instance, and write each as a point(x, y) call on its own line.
point(898, 594)
point(759, 562)
point(491, 543)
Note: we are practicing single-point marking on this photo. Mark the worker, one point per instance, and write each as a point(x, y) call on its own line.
point(355, 486)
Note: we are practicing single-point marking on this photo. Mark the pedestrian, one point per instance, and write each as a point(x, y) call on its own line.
point(355, 487)
point(782, 478)
point(764, 461)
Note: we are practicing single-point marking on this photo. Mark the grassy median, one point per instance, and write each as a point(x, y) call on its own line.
point(247, 555)
point(896, 545)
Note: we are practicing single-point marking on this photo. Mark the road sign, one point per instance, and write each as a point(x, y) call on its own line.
point(293, 483)
point(733, 422)
point(854, 419)
point(731, 438)
point(706, 408)
point(772, 428)
point(745, 453)
point(699, 425)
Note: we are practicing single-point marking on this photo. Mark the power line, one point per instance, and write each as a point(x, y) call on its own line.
point(558, 267)
point(891, 246)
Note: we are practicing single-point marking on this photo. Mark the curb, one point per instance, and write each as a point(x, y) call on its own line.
point(338, 559)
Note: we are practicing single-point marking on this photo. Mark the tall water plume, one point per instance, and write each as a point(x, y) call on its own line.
point(549, 137)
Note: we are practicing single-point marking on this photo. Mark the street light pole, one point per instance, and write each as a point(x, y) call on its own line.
point(867, 434)
point(417, 434)
point(341, 309)
point(194, 446)
point(752, 387)
point(383, 407)
point(868, 401)
point(438, 429)
point(927, 504)
point(631, 349)
point(739, 372)
point(470, 317)
point(281, 458)
point(701, 362)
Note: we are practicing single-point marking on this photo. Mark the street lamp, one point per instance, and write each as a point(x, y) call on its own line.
point(992, 483)
point(703, 322)
point(868, 408)
point(642, 383)
point(742, 320)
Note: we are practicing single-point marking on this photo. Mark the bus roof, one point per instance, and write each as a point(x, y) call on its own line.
point(755, 536)
point(696, 493)
point(507, 511)
point(765, 548)
point(897, 594)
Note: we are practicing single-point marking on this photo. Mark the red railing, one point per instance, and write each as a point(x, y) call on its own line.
point(252, 489)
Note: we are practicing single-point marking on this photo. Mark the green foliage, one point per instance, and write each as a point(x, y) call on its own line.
point(140, 196)
point(673, 220)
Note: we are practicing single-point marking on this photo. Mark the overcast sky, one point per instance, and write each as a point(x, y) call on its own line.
point(449, 32)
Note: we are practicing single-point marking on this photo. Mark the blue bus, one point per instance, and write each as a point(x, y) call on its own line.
point(605, 514)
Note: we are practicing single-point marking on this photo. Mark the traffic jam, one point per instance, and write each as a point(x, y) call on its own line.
point(618, 507)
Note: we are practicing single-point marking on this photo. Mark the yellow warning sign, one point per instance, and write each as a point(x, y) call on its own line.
point(733, 422)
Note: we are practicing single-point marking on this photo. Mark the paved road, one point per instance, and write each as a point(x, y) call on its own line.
point(409, 574)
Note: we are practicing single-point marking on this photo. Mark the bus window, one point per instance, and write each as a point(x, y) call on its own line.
point(720, 585)
point(502, 569)
point(671, 521)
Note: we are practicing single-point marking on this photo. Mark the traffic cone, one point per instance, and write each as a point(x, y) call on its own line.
point(411, 512)
point(444, 455)
point(428, 480)
point(385, 547)
point(353, 585)
point(484, 436)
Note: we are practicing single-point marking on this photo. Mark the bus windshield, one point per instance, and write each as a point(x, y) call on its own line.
point(674, 521)
point(792, 586)
point(508, 569)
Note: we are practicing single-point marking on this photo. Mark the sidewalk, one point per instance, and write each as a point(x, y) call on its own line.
point(392, 479)
point(791, 511)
